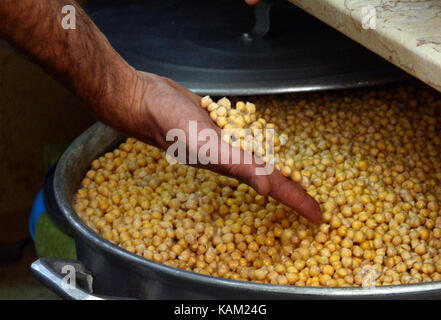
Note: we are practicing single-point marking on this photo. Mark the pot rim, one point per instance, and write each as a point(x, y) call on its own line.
point(84, 232)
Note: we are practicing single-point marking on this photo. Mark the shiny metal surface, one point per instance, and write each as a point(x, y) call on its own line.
point(117, 272)
point(201, 45)
point(49, 272)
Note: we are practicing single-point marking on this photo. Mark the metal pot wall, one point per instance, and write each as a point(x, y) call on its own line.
point(105, 270)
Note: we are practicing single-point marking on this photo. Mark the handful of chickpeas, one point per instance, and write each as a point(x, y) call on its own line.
point(242, 129)
point(370, 157)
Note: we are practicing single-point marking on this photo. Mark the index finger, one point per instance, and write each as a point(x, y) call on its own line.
point(294, 196)
point(273, 184)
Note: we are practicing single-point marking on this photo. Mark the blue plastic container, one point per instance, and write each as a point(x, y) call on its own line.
point(37, 209)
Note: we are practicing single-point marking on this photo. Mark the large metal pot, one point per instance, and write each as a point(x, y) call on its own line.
point(118, 273)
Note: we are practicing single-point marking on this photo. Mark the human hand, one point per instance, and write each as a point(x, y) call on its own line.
point(157, 105)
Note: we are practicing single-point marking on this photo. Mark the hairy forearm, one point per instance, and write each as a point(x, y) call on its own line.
point(82, 58)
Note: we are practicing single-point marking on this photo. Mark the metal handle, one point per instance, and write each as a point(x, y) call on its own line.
point(67, 278)
point(262, 20)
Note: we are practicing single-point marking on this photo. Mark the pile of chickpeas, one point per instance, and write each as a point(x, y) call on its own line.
point(370, 157)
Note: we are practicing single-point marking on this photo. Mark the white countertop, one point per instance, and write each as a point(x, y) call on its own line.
point(406, 33)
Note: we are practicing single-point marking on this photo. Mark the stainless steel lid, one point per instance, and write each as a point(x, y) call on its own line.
point(211, 48)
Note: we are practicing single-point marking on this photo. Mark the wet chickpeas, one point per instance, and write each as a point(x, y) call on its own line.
point(370, 157)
